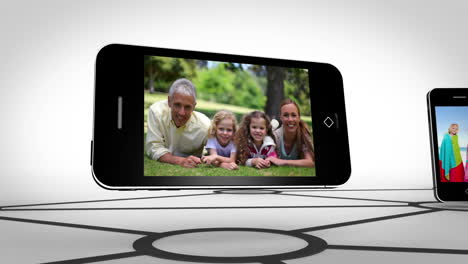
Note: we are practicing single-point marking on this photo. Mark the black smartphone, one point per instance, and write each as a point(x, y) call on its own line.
point(178, 119)
point(448, 126)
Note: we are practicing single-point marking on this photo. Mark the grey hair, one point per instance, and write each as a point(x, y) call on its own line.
point(183, 86)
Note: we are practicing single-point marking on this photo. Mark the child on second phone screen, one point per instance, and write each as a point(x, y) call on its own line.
point(220, 147)
point(255, 141)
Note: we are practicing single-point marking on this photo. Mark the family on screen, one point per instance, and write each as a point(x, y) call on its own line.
point(177, 134)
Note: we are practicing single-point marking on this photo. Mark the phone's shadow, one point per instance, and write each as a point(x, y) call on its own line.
point(452, 206)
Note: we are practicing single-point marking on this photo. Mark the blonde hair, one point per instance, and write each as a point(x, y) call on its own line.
point(217, 118)
point(454, 124)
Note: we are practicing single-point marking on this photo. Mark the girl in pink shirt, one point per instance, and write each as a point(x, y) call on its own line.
point(255, 141)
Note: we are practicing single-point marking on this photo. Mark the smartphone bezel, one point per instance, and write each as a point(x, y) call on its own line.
point(444, 191)
point(117, 155)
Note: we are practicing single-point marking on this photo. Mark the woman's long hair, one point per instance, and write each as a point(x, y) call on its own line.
point(303, 135)
point(243, 138)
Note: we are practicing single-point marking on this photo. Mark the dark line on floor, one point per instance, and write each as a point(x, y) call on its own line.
point(98, 258)
point(355, 190)
point(184, 195)
point(272, 261)
point(345, 198)
point(200, 208)
point(363, 221)
point(108, 200)
point(401, 249)
point(100, 228)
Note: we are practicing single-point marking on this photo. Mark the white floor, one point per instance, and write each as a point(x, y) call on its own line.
point(296, 226)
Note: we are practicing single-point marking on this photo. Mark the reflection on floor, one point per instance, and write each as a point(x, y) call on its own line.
point(293, 226)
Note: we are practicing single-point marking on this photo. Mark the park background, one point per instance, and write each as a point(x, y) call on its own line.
point(239, 88)
point(390, 53)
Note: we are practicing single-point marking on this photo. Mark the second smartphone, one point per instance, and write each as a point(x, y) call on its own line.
point(448, 123)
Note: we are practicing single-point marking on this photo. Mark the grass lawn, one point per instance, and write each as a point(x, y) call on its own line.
point(155, 168)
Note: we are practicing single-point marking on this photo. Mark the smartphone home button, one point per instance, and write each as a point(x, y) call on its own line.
point(328, 122)
point(466, 191)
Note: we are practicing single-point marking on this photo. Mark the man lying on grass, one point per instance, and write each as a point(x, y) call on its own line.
point(176, 133)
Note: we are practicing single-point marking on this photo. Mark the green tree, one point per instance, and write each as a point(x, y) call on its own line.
point(230, 84)
point(215, 84)
point(161, 72)
point(248, 91)
point(297, 88)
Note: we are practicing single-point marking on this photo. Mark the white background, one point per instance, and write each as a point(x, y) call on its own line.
point(390, 53)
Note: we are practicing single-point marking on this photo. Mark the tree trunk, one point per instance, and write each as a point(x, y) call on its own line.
point(151, 82)
point(275, 91)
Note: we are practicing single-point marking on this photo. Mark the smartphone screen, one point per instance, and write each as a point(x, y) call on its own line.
point(226, 92)
point(452, 139)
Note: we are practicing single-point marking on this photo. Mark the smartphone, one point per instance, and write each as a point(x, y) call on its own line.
point(159, 113)
point(448, 127)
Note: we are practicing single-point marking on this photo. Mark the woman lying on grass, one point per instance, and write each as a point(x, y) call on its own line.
point(255, 141)
point(294, 138)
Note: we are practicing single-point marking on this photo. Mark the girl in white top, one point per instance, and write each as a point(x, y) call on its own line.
point(220, 146)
